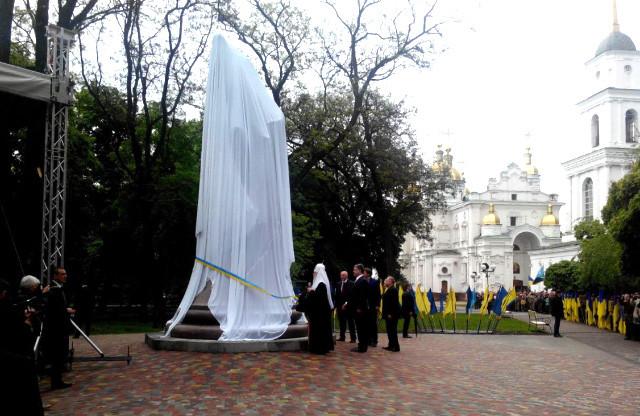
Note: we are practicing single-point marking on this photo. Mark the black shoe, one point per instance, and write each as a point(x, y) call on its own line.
point(557, 335)
point(407, 336)
point(374, 345)
point(396, 350)
point(387, 348)
point(60, 385)
point(357, 350)
point(353, 341)
point(341, 339)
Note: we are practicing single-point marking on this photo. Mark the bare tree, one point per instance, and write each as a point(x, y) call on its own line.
point(364, 56)
point(160, 49)
point(277, 33)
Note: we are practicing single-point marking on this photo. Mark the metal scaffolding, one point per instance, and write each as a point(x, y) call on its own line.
point(60, 41)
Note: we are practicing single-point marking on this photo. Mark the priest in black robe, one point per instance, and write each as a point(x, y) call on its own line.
point(318, 309)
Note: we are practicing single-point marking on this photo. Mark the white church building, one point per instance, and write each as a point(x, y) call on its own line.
point(513, 225)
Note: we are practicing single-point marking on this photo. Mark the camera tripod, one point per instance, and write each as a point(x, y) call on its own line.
point(72, 358)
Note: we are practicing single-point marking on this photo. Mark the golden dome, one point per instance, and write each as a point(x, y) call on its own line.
point(491, 218)
point(455, 174)
point(549, 219)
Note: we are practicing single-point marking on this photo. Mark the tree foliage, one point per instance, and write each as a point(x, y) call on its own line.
point(562, 276)
point(621, 214)
point(600, 263)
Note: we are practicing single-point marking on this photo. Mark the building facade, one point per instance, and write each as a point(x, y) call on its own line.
point(498, 226)
point(513, 226)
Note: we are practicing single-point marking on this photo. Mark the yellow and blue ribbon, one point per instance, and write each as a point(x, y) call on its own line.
point(239, 279)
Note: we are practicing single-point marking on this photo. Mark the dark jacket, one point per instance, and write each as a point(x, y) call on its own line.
point(390, 304)
point(360, 296)
point(342, 293)
point(557, 308)
point(408, 304)
point(374, 293)
point(56, 316)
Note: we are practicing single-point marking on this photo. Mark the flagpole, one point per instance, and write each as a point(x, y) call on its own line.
point(479, 322)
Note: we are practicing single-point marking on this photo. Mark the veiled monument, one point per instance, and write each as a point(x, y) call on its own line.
point(240, 295)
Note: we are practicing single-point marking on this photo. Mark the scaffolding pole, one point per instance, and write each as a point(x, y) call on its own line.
point(54, 192)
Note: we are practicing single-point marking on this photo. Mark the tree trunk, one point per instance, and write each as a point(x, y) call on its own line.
point(40, 30)
point(6, 18)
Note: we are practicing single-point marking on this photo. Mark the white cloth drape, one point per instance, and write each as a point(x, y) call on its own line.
point(244, 207)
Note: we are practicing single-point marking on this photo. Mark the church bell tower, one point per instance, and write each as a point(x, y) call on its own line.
point(609, 129)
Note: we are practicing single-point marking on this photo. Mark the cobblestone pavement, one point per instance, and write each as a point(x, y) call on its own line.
point(432, 375)
point(611, 342)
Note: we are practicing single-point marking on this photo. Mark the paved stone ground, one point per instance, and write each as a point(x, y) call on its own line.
point(433, 375)
point(611, 342)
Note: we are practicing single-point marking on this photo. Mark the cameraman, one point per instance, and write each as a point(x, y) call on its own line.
point(57, 327)
point(16, 356)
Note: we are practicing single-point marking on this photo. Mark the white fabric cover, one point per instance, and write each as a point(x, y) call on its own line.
point(25, 83)
point(244, 207)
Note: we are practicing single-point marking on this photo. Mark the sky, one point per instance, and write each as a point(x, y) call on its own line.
point(509, 77)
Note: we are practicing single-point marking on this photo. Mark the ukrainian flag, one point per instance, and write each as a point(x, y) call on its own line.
point(485, 302)
point(432, 303)
point(450, 307)
point(511, 296)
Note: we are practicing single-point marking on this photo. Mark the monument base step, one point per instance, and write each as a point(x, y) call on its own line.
point(158, 341)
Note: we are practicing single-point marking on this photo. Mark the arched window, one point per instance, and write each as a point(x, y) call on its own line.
point(595, 130)
point(587, 199)
point(516, 268)
point(631, 126)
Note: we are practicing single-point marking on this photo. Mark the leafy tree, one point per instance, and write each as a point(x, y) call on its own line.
point(600, 263)
point(589, 229)
point(371, 191)
point(621, 214)
point(562, 276)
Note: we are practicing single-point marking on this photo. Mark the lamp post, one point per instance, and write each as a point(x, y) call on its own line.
point(486, 269)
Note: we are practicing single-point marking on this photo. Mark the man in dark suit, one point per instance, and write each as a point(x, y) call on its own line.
point(391, 313)
point(374, 304)
point(408, 310)
point(557, 311)
point(56, 328)
point(344, 288)
point(359, 305)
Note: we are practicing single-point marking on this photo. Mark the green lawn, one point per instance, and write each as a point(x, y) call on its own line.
point(507, 325)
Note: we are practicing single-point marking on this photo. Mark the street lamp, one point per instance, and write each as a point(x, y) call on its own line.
point(486, 269)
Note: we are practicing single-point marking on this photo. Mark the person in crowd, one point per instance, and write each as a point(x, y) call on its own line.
point(359, 304)
point(343, 291)
point(318, 311)
point(557, 311)
point(57, 328)
point(391, 313)
point(408, 307)
point(627, 307)
point(374, 304)
point(18, 375)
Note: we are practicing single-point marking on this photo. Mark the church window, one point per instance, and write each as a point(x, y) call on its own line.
point(514, 197)
point(587, 199)
point(516, 247)
point(516, 268)
point(513, 221)
point(627, 68)
point(631, 126)
point(444, 270)
point(595, 130)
